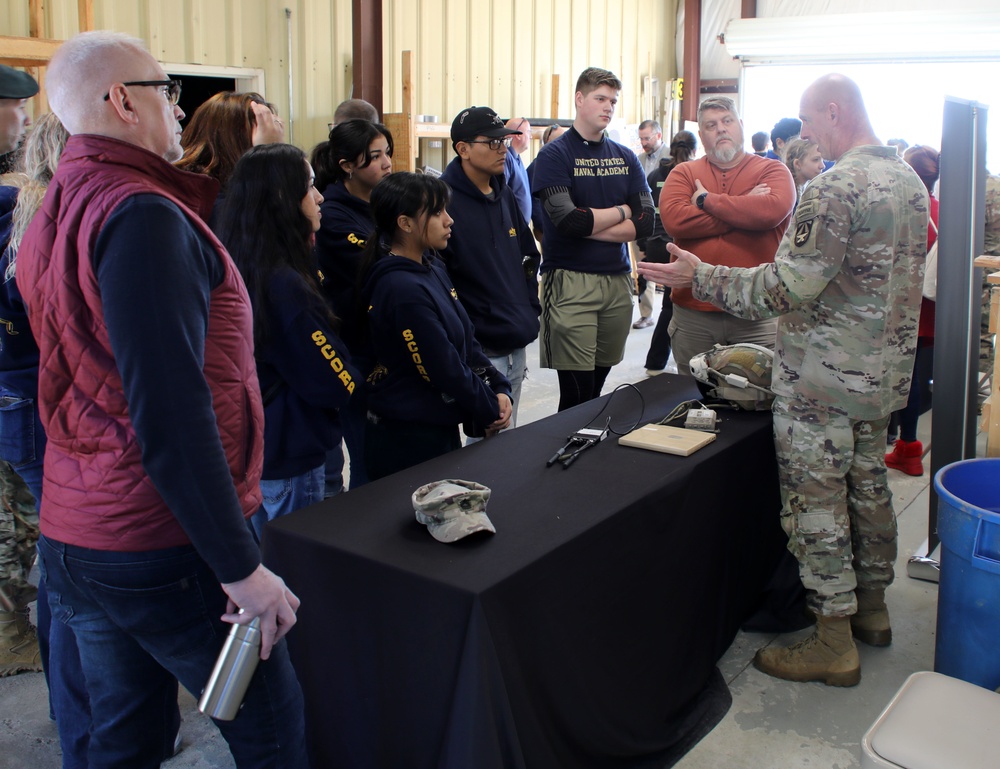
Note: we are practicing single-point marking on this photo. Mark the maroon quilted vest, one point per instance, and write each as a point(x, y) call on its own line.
point(95, 492)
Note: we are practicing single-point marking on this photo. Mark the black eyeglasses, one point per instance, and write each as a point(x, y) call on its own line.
point(493, 144)
point(172, 93)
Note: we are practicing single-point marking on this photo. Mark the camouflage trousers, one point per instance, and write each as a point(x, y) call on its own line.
point(836, 503)
point(986, 339)
point(18, 535)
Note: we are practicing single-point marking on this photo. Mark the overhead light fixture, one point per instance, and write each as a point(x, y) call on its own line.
point(852, 37)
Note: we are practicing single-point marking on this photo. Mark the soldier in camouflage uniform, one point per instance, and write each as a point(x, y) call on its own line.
point(18, 535)
point(846, 283)
point(18, 514)
point(991, 245)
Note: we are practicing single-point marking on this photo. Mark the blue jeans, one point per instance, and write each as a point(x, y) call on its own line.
point(143, 619)
point(22, 443)
point(513, 366)
point(285, 495)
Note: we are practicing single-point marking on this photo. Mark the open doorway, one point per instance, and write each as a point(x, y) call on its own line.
point(201, 82)
point(197, 89)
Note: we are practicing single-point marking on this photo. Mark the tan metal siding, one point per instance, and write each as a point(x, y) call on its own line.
point(502, 53)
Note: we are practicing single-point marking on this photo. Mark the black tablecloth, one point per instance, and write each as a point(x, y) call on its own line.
point(580, 635)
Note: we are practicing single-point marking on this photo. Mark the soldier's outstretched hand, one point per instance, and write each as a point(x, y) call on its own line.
point(677, 274)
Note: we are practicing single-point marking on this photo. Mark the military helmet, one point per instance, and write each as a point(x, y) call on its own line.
point(738, 373)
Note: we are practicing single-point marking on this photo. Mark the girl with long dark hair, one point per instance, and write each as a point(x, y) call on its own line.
point(357, 156)
point(431, 374)
point(267, 222)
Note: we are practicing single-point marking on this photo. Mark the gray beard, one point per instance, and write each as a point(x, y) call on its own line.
point(725, 155)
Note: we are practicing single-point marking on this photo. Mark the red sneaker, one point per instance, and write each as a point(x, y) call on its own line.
point(906, 456)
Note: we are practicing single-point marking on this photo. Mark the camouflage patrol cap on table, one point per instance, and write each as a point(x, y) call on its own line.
point(452, 509)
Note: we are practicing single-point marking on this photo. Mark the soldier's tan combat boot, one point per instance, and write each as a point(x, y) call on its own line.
point(828, 655)
point(18, 644)
point(871, 623)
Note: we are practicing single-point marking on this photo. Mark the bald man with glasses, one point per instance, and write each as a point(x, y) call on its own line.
point(149, 398)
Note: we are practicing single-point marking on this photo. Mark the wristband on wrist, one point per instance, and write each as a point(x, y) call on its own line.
point(621, 211)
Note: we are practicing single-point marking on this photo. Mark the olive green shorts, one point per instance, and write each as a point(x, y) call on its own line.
point(585, 319)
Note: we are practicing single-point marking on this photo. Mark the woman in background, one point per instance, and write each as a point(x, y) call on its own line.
point(357, 156)
point(804, 161)
point(907, 452)
point(223, 128)
point(431, 374)
point(682, 149)
point(267, 223)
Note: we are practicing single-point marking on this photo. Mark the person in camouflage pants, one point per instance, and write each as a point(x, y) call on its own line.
point(18, 535)
point(991, 245)
point(846, 283)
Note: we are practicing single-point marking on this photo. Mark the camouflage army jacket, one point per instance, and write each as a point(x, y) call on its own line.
point(846, 282)
point(991, 233)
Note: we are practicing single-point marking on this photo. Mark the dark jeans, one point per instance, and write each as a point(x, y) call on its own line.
point(919, 399)
point(144, 619)
point(659, 345)
point(392, 445)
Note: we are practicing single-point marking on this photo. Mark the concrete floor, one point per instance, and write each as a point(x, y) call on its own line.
point(772, 723)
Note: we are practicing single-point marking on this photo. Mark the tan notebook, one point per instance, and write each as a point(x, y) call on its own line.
point(669, 440)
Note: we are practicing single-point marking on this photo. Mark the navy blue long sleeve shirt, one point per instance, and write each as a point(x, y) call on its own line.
point(156, 273)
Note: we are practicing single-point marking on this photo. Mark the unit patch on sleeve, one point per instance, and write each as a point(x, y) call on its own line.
point(805, 219)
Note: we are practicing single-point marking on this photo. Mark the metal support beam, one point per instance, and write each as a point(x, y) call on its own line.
point(367, 57)
point(692, 59)
point(956, 351)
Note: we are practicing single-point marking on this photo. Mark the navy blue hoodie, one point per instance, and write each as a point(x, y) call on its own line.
point(305, 375)
point(427, 353)
point(340, 242)
point(485, 258)
point(18, 351)
point(340, 249)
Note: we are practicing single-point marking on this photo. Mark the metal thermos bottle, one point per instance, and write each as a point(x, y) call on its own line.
point(224, 692)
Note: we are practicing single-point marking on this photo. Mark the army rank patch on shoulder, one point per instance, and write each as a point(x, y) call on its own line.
point(805, 218)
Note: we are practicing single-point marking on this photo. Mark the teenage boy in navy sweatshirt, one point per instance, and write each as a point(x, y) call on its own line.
point(491, 256)
point(595, 200)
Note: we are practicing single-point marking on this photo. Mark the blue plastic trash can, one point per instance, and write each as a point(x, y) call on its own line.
point(968, 618)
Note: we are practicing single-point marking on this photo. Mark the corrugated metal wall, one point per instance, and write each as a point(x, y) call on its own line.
point(503, 53)
point(497, 52)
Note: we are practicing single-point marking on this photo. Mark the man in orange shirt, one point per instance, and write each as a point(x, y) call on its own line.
point(731, 208)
